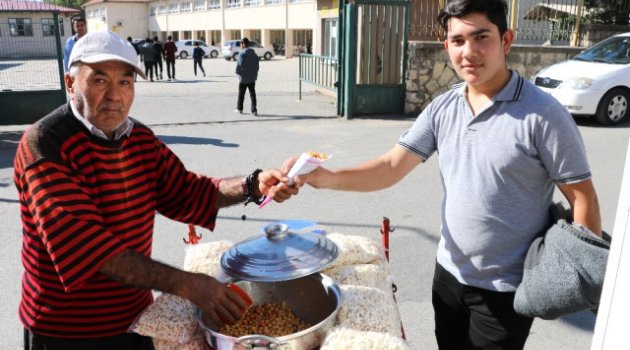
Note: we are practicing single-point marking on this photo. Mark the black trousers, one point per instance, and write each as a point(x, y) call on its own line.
point(198, 62)
point(170, 68)
point(474, 318)
point(241, 95)
point(148, 69)
point(127, 341)
point(158, 66)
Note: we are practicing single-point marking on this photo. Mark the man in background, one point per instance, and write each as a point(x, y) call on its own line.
point(247, 71)
point(80, 28)
point(169, 55)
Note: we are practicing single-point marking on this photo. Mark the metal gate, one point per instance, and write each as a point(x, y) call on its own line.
point(31, 82)
point(373, 57)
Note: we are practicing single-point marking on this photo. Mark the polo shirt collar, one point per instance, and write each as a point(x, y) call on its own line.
point(510, 92)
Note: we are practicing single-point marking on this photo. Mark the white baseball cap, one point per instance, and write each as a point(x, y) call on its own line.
point(101, 46)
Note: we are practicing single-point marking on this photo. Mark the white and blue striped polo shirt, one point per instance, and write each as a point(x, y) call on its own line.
point(499, 170)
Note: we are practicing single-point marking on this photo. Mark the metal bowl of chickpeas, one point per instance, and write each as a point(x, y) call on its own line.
point(293, 314)
point(293, 305)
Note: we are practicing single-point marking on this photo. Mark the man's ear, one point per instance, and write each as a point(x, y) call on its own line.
point(69, 83)
point(507, 40)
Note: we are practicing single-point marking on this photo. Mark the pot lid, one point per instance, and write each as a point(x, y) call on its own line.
point(279, 255)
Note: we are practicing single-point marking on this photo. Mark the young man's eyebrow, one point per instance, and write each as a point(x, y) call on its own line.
point(474, 33)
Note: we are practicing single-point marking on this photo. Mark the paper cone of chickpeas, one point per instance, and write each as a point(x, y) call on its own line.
point(307, 162)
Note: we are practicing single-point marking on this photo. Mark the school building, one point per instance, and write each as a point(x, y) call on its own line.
point(306, 25)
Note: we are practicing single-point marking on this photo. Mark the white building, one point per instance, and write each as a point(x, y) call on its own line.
point(304, 24)
point(27, 28)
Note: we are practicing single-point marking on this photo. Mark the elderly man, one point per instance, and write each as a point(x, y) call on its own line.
point(90, 180)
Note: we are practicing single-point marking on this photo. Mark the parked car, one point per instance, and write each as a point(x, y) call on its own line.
point(232, 48)
point(596, 82)
point(185, 48)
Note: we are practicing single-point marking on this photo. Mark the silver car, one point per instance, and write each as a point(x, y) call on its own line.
point(232, 48)
point(185, 48)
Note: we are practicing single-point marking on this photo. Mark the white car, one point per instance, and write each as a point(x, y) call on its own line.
point(595, 82)
point(185, 48)
point(232, 48)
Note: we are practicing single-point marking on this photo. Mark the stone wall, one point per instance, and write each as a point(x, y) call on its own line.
point(430, 73)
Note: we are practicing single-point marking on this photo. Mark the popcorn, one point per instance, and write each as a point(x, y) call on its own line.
point(206, 258)
point(351, 339)
point(357, 250)
point(367, 275)
point(169, 318)
point(368, 309)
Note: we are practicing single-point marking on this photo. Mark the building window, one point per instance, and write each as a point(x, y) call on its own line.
point(173, 8)
point(152, 11)
point(48, 27)
point(90, 14)
point(162, 10)
point(185, 7)
point(214, 4)
point(233, 3)
point(302, 37)
point(20, 27)
point(200, 5)
point(252, 2)
point(272, 2)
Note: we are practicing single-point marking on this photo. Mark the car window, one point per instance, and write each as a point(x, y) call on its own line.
point(614, 50)
point(187, 43)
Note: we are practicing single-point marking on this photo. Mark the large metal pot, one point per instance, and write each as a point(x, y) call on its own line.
point(314, 298)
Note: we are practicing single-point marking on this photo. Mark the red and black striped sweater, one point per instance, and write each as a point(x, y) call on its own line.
point(83, 200)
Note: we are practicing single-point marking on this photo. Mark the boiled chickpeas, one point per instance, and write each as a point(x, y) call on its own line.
point(270, 319)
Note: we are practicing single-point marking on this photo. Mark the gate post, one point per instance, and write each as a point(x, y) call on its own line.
point(62, 82)
point(350, 59)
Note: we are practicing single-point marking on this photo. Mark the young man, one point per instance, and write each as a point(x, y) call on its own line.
point(504, 145)
point(169, 55)
point(90, 180)
point(80, 28)
point(247, 71)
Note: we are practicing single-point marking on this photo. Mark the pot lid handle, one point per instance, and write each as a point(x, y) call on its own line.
point(258, 341)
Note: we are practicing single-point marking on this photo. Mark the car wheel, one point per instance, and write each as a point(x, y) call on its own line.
point(235, 56)
point(613, 107)
point(183, 55)
point(268, 56)
point(214, 54)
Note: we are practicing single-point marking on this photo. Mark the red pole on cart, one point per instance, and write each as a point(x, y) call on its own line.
point(385, 230)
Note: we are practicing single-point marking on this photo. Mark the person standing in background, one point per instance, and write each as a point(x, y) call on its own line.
point(159, 49)
point(148, 55)
point(247, 72)
point(198, 54)
point(80, 28)
point(169, 55)
point(130, 40)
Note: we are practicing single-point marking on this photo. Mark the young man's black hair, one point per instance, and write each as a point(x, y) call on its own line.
point(495, 10)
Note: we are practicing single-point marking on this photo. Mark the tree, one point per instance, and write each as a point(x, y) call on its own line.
point(608, 11)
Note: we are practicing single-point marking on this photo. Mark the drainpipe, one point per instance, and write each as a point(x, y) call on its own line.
point(223, 22)
point(286, 30)
point(514, 18)
point(576, 29)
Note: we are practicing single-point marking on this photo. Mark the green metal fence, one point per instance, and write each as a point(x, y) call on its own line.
point(31, 71)
point(318, 70)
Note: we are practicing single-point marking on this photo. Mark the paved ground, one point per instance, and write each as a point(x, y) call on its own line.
point(194, 116)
